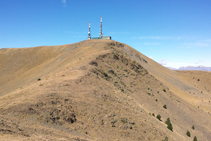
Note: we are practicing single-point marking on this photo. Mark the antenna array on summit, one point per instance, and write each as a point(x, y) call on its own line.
point(101, 29)
point(89, 32)
point(101, 32)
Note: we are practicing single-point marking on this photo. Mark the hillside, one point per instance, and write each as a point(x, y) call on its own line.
point(99, 90)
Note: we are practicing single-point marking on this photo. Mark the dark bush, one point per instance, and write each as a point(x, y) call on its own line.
point(188, 133)
point(169, 125)
point(158, 117)
point(105, 74)
point(195, 139)
point(193, 127)
point(164, 90)
point(164, 106)
point(167, 121)
point(93, 63)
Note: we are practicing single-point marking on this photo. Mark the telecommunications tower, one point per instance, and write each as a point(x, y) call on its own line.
point(101, 30)
point(89, 32)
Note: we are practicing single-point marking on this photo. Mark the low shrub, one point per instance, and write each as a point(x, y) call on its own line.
point(93, 63)
point(188, 133)
point(158, 117)
point(195, 139)
point(166, 139)
point(105, 74)
point(169, 125)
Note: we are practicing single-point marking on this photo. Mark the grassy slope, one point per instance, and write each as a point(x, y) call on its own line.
point(76, 100)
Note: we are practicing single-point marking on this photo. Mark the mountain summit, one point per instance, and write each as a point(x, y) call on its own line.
point(99, 90)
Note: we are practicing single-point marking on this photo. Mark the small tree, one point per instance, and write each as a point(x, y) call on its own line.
point(158, 117)
point(169, 125)
point(195, 139)
point(193, 127)
point(164, 106)
point(188, 133)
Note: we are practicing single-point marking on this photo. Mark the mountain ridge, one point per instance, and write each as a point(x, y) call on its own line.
point(201, 68)
point(98, 90)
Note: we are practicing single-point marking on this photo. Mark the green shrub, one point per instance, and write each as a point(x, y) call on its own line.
point(169, 125)
point(158, 117)
point(105, 74)
point(167, 121)
point(166, 139)
point(188, 133)
point(193, 127)
point(153, 114)
point(164, 106)
point(195, 139)
point(164, 90)
point(38, 79)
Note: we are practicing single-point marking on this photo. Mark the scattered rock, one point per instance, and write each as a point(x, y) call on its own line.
point(124, 120)
point(129, 126)
point(132, 122)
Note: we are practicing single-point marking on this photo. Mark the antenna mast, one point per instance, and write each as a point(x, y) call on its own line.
point(101, 30)
point(89, 32)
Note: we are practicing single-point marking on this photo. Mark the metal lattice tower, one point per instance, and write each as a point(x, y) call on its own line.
point(101, 29)
point(89, 32)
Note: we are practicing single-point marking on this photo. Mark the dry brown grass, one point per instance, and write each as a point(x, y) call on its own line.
point(98, 90)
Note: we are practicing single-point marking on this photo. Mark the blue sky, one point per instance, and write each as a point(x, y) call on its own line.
point(174, 33)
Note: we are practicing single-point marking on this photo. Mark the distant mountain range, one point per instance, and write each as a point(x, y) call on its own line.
point(202, 68)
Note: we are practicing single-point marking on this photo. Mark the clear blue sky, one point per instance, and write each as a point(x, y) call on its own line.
point(172, 32)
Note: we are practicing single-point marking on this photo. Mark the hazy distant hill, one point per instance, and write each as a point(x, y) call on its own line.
point(202, 68)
